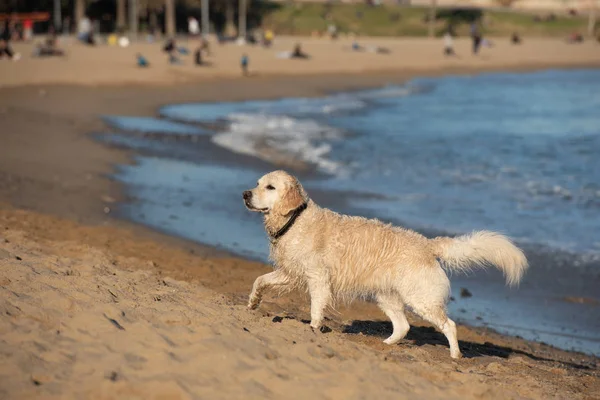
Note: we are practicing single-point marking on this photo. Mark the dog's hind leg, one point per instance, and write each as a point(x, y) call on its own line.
point(263, 282)
point(393, 307)
point(437, 316)
point(320, 297)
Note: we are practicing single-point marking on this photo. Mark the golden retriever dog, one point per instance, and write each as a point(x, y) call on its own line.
point(339, 257)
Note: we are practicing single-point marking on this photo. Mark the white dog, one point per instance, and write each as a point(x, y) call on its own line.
point(342, 257)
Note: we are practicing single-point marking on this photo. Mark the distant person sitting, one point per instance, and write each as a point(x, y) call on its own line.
point(298, 53)
point(515, 38)
point(268, 38)
point(142, 62)
point(170, 48)
point(575, 37)
point(449, 44)
point(49, 48)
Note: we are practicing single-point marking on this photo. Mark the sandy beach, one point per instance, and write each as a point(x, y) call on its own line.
point(115, 65)
point(97, 307)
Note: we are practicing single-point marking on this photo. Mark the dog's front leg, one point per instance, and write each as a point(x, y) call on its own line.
point(320, 297)
point(263, 282)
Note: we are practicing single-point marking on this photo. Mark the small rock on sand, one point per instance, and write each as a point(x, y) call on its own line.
point(465, 293)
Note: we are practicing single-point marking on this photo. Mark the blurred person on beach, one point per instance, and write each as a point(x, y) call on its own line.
point(244, 62)
point(142, 62)
point(198, 56)
point(475, 37)
point(332, 31)
point(575, 37)
point(49, 48)
point(372, 49)
point(85, 31)
point(170, 48)
point(298, 53)
point(202, 47)
point(449, 44)
point(193, 27)
point(27, 29)
point(5, 48)
point(515, 38)
point(268, 38)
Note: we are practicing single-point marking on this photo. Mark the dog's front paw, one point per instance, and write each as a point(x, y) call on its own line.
point(253, 303)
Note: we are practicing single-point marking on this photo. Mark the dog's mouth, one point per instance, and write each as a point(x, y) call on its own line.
point(250, 207)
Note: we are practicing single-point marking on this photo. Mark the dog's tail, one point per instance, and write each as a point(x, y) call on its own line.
point(481, 249)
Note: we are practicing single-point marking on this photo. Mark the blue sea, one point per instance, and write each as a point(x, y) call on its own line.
point(512, 152)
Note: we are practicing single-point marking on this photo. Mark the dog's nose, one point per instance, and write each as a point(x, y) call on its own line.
point(247, 194)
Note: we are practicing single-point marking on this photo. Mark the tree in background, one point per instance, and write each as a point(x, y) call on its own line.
point(79, 11)
point(230, 29)
point(432, 17)
point(170, 17)
point(120, 15)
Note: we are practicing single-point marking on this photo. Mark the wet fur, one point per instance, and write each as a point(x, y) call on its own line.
point(338, 257)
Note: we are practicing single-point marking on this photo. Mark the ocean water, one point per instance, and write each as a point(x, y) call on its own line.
point(515, 153)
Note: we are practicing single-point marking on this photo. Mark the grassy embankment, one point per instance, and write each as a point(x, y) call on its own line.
point(390, 20)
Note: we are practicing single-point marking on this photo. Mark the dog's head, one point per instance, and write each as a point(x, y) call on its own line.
point(276, 192)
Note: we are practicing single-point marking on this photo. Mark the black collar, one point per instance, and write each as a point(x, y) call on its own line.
point(288, 224)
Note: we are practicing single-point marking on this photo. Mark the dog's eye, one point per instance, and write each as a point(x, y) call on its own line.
point(270, 187)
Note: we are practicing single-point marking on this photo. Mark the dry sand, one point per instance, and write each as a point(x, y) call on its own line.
point(115, 65)
point(68, 285)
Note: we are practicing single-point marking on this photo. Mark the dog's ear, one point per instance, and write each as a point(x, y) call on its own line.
point(293, 198)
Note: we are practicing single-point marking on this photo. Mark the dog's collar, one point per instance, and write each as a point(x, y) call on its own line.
point(288, 224)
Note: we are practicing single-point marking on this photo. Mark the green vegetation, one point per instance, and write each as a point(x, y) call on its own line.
point(390, 20)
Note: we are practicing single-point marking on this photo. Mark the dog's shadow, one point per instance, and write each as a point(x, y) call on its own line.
point(422, 335)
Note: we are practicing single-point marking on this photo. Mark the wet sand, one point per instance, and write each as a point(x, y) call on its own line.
point(80, 274)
